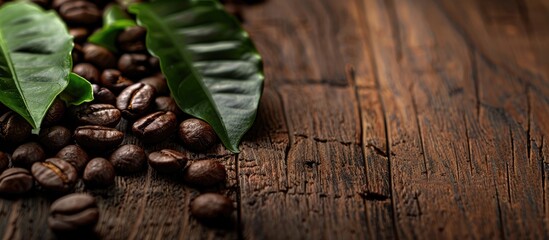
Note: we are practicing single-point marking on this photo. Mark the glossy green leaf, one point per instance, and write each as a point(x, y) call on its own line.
point(78, 91)
point(115, 20)
point(35, 59)
point(213, 69)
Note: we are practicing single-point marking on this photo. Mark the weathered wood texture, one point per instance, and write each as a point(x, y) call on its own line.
point(380, 119)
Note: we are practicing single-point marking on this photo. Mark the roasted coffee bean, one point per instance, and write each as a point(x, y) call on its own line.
point(113, 80)
point(158, 82)
point(80, 13)
point(212, 208)
point(99, 56)
point(4, 161)
point(135, 100)
point(13, 129)
point(155, 127)
point(74, 155)
point(165, 103)
point(135, 66)
point(98, 138)
point(55, 174)
point(154, 64)
point(79, 34)
point(56, 4)
point(15, 181)
point(103, 95)
point(205, 174)
point(77, 54)
point(99, 173)
point(132, 39)
point(197, 135)
point(87, 71)
point(27, 154)
point(167, 161)
point(97, 114)
point(74, 213)
point(54, 114)
point(55, 138)
point(128, 159)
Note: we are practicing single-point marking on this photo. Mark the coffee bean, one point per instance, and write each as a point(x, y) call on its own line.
point(197, 135)
point(13, 129)
point(132, 39)
point(77, 54)
point(155, 127)
point(15, 181)
point(135, 100)
point(154, 64)
point(103, 95)
point(27, 154)
point(128, 159)
point(98, 138)
point(77, 212)
point(167, 161)
point(99, 56)
point(97, 114)
point(80, 13)
point(99, 173)
point(55, 174)
point(205, 174)
point(165, 103)
point(74, 155)
point(79, 35)
point(113, 80)
point(87, 71)
point(4, 161)
point(54, 114)
point(55, 138)
point(158, 82)
point(211, 208)
point(56, 4)
point(135, 66)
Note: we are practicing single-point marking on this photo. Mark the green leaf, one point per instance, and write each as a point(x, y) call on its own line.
point(35, 59)
point(115, 20)
point(213, 69)
point(78, 91)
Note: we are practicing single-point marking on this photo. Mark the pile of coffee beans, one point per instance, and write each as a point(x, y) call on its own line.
point(85, 142)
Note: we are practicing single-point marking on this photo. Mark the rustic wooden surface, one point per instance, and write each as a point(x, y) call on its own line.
point(380, 119)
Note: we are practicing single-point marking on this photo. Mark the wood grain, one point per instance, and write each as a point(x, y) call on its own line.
point(380, 119)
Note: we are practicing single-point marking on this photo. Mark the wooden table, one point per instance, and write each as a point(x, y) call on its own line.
point(380, 119)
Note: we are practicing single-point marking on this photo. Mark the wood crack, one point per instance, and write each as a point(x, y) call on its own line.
point(375, 70)
point(326, 140)
point(421, 139)
point(290, 128)
point(543, 175)
point(529, 117)
point(498, 204)
point(512, 166)
point(469, 150)
point(474, 75)
point(240, 230)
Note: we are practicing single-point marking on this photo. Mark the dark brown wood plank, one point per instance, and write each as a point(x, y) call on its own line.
point(313, 188)
point(309, 42)
point(457, 123)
